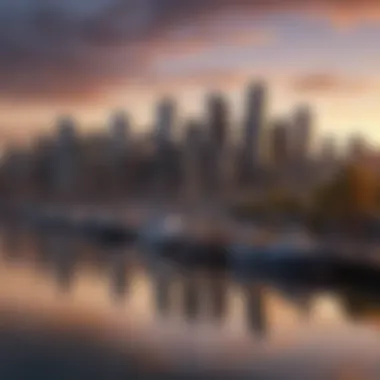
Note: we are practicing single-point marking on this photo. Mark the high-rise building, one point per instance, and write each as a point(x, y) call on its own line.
point(192, 161)
point(119, 132)
point(280, 143)
point(66, 132)
point(65, 156)
point(165, 121)
point(194, 134)
point(218, 116)
point(357, 147)
point(302, 133)
point(163, 137)
point(328, 152)
point(254, 122)
point(217, 146)
point(328, 160)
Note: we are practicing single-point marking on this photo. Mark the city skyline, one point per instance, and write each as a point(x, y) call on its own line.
point(217, 121)
point(86, 58)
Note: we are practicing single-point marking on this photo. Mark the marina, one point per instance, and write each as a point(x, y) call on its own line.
point(94, 310)
point(213, 244)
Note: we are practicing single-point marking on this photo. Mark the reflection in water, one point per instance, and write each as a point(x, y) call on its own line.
point(218, 297)
point(63, 257)
point(163, 293)
point(255, 309)
point(305, 305)
point(40, 250)
point(300, 297)
point(191, 297)
point(119, 274)
point(12, 243)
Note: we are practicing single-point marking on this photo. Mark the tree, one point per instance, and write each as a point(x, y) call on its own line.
point(351, 196)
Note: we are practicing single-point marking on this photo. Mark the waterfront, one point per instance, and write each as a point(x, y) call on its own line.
point(67, 305)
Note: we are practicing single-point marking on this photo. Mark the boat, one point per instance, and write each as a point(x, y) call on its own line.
point(104, 229)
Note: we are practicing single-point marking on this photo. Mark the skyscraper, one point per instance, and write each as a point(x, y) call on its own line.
point(192, 161)
point(119, 131)
point(66, 132)
point(218, 121)
point(254, 123)
point(328, 152)
point(280, 143)
point(357, 147)
point(165, 163)
point(65, 156)
point(217, 146)
point(302, 133)
point(328, 160)
point(165, 121)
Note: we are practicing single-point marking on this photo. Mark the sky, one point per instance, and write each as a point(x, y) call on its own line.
point(89, 57)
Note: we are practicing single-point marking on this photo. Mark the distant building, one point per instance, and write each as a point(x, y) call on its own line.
point(66, 133)
point(119, 130)
point(65, 157)
point(17, 170)
point(218, 120)
point(328, 160)
point(302, 133)
point(217, 145)
point(192, 161)
point(254, 123)
point(43, 159)
point(119, 133)
point(280, 143)
point(328, 152)
point(165, 120)
point(194, 135)
point(163, 176)
point(357, 147)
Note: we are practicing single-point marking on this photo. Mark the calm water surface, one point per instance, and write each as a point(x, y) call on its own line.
point(69, 310)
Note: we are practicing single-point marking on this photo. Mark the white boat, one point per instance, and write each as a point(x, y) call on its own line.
point(287, 247)
point(161, 229)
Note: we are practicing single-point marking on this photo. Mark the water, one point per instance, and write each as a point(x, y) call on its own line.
point(69, 310)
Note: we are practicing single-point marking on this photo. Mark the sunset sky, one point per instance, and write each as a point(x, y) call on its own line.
point(88, 57)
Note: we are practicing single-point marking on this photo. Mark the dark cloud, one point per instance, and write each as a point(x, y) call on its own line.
point(76, 48)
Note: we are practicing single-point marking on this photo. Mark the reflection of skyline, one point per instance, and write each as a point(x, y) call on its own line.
point(64, 260)
point(119, 275)
point(190, 297)
point(197, 299)
point(218, 291)
point(11, 243)
point(255, 309)
point(163, 293)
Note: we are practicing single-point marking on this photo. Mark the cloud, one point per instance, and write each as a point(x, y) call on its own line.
point(75, 49)
point(330, 83)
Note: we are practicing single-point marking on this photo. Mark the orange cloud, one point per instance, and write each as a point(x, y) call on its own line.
point(204, 40)
point(327, 82)
point(77, 50)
